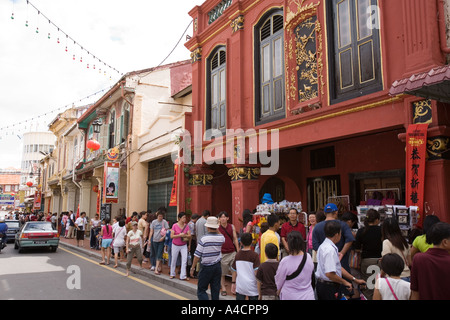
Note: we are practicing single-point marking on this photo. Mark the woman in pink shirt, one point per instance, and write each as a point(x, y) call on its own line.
point(107, 237)
point(180, 231)
point(312, 222)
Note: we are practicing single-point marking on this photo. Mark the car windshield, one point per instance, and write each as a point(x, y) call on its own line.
point(39, 227)
point(12, 224)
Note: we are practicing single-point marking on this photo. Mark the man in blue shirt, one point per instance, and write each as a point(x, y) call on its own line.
point(347, 238)
point(3, 229)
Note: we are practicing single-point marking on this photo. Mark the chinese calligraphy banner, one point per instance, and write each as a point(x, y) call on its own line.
point(173, 194)
point(416, 153)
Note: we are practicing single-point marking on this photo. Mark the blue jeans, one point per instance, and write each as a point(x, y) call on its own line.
point(157, 248)
point(209, 275)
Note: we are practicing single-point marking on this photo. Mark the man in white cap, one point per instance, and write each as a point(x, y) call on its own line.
point(209, 249)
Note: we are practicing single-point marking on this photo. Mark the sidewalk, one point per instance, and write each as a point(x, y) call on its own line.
point(187, 286)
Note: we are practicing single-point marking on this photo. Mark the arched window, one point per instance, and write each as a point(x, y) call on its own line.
point(269, 66)
point(216, 111)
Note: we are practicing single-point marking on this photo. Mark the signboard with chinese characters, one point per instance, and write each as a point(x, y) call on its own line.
point(416, 153)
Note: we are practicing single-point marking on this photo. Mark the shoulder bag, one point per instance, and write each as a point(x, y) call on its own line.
point(392, 290)
point(299, 269)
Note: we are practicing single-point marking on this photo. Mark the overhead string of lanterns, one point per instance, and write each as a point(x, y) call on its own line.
point(20, 127)
point(97, 63)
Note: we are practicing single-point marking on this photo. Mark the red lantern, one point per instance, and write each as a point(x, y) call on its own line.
point(95, 188)
point(93, 145)
point(29, 183)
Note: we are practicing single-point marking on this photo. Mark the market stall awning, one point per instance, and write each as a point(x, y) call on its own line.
point(434, 84)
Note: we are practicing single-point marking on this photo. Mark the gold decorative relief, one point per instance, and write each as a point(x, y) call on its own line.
point(196, 55)
point(422, 112)
point(200, 179)
point(238, 23)
point(304, 55)
point(438, 148)
point(244, 173)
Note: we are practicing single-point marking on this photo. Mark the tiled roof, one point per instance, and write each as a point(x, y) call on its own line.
point(9, 179)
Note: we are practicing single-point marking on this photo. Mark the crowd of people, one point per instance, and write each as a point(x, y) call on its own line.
point(326, 257)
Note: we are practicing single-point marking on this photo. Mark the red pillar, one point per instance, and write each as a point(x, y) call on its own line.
point(244, 191)
point(199, 197)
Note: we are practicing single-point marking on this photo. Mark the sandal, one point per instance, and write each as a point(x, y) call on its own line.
point(157, 272)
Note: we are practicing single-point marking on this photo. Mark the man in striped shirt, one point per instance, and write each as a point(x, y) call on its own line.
point(209, 252)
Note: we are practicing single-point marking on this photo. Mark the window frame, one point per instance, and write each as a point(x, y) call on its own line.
point(273, 114)
point(210, 73)
point(359, 88)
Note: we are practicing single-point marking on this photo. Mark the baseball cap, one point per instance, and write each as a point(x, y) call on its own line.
point(330, 207)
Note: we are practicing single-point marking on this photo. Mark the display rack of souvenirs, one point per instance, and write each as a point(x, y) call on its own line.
point(268, 207)
point(405, 216)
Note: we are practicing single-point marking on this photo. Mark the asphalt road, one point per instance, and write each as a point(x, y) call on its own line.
point(67, 275)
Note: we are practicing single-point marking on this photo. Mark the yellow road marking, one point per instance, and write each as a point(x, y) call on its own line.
point(176, 296)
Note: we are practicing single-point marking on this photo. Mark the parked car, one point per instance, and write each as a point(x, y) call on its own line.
point(13, 228)
point(35, 234)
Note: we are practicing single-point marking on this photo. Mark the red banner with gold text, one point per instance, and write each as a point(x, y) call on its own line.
point(416, 153)
point(173, 195)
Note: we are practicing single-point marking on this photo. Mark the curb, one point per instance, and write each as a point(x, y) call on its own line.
point(185, 286)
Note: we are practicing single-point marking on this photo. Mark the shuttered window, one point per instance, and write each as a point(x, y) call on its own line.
point(216, 112)
point(355, 58)
point(269, 66)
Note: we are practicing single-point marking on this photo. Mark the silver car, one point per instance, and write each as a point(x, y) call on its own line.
point(35, 234)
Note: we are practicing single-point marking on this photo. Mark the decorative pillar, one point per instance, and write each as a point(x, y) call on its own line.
point(200, 189)
point(85, 197)
point(244, 191)
point(71, 194)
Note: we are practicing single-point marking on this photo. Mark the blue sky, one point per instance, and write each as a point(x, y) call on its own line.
point(38, 76)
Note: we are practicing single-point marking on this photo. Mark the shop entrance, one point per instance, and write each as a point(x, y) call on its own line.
point(364, 186)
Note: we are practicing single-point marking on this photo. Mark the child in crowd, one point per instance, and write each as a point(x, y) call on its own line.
point(389, 286)
point(265, 275)
point(245, 264)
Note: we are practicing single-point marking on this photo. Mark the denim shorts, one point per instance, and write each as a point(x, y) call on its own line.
point(106, 243)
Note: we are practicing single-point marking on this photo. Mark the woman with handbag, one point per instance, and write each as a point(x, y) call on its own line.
point(394, 242)
point(294, 273)
point(158, 230)
point(180, 237)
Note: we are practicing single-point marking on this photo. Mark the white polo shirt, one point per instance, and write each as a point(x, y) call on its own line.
point(328, 260)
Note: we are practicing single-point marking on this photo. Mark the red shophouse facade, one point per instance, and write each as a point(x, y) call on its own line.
point(320, 73)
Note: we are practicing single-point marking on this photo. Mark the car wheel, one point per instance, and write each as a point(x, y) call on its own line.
point(54, 249)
